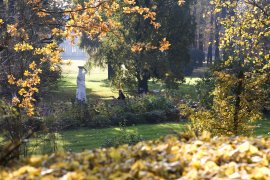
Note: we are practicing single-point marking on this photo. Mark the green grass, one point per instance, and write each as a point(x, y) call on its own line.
point(77, 140)
point(81, 139)
point(98, 87)
point(263, 127)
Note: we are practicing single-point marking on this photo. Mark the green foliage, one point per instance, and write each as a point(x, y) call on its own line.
point(99, 120)
point(65, 115)
point(204, 89)
point(15, 130)
point(155, 116)
point(100, 114)
point(184, 157)
point(226, 116)
point(24, 19)
point(132, 70)
point(262, 127)
point(146, 109)
point(49, 78)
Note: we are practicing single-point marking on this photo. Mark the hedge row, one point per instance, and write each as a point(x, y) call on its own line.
point(168, 158)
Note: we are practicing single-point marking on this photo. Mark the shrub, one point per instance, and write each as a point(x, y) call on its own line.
point(172, 114)
point(124, 137)
point(156, 116)
point(185, 157)
point(99, 114)
point(66, 115)
point(139, 110)
point(133, 118)
point(204, 89)
point(99, 121)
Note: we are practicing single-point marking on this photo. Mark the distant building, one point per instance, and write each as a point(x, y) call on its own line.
point(73, 51)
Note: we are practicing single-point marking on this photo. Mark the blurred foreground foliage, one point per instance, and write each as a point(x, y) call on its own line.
point(184, 157)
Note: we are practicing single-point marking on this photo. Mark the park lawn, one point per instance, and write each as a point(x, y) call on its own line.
point(263, 127)
point(98, 87)
point(77, 140)
point(82, 139)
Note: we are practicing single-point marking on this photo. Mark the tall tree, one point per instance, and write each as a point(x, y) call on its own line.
point(242, 78)
point(22, 30)
point(136, 65)
point(210, 46)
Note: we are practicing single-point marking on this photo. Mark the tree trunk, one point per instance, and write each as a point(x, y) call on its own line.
point(110, 70)
point(210, 53)
point(210, 47)
point(201, 38)
point(143, 85)
point(217, 29)
point(237, 107)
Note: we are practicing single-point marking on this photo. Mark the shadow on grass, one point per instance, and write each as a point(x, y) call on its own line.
point(97, 81)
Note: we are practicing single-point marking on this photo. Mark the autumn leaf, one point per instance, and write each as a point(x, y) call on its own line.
point(11, 79)
point(164, 45)
point(181, 2)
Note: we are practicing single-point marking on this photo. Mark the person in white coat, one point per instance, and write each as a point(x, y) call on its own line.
point(81, 93)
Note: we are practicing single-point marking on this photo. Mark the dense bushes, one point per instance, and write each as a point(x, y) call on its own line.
point(147, 109)
point(168, 158)
point(99, 114)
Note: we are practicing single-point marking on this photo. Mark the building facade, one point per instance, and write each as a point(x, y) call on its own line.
point(73, 52)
